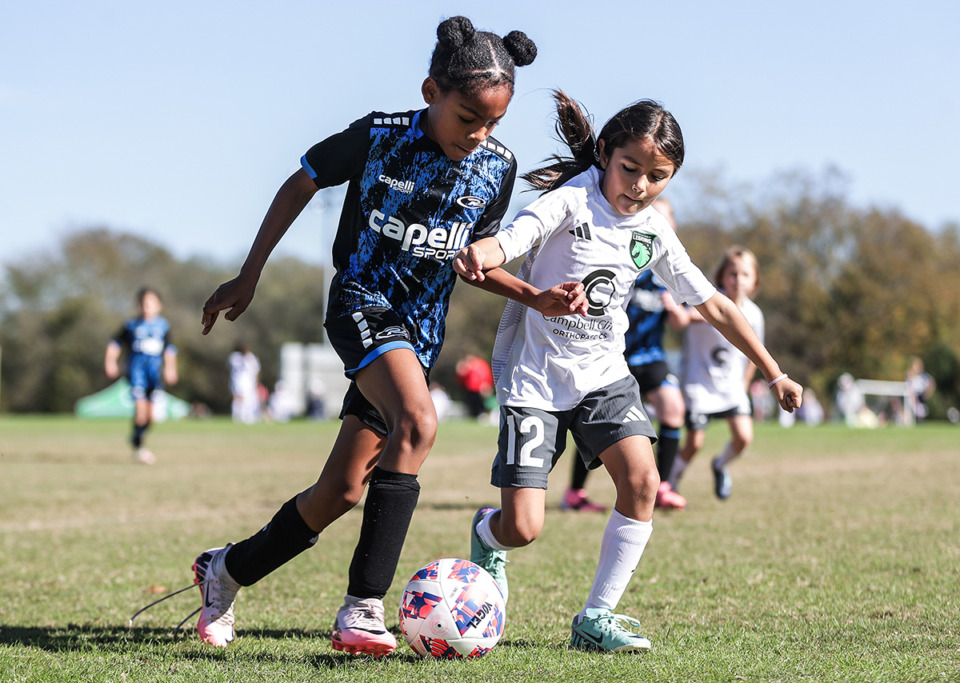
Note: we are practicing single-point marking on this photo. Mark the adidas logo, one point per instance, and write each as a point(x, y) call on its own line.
point(582, 232)
point(634, 415)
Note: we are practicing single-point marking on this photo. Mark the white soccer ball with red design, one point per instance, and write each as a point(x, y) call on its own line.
point(452, 609)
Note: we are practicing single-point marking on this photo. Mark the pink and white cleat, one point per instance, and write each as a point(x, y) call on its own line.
point(218, 591)
point(360, 630)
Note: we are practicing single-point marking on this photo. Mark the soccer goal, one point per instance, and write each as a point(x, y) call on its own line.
point(891, 400)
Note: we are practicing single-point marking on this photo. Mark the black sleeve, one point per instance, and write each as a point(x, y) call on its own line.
point(489, 222)
point(341, 157)
point(123, 337)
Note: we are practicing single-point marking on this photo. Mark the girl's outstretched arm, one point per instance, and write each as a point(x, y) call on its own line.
point(234, 296)
point(484, 254)
point(566, 298)
point(724, 315)
point(479, 264)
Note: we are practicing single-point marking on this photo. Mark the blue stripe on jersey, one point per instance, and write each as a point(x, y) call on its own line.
point(644, 337)
point(307, 167)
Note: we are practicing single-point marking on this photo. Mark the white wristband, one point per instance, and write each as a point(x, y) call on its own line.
point(783, 376)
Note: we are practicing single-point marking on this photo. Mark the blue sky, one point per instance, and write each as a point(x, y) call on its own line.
point(179, 120)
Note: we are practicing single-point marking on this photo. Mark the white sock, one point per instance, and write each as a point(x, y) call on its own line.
point(727, 455)
point(486, 534)
point(676, 471)
point(623, 542)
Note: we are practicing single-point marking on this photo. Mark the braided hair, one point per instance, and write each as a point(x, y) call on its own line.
point(574, 127)
point(470, 61)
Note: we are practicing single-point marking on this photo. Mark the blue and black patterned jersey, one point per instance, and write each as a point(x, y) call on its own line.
point(145, 341)
point(408, 210)
point(644, 338)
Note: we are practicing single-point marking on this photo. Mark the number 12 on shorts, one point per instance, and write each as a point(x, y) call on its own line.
point(531, 431)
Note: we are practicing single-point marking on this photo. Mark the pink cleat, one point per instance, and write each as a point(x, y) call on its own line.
point(219, 591)
point(359, 629)
point(668, 498)
point(576, 499)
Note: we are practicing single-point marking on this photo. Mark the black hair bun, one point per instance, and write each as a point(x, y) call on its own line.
point(521, 48)
point(455, 31)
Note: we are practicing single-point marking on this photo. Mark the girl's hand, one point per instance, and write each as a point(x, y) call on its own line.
point(468, 263)
point(233, 296)
point(564, 299)
point(789, 394)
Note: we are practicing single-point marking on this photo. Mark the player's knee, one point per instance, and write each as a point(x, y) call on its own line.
point(416, 428)
point(640, 485)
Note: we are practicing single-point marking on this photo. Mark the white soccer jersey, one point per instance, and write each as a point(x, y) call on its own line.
point(712, 369)
point(573, 234)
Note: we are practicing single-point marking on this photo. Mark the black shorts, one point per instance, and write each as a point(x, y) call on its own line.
point(652, 376)
point(359, 339)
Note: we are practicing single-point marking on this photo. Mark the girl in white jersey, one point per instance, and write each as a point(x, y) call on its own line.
point(716, 376)
point(568, 372)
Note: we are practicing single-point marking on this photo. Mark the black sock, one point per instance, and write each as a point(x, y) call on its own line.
point(285, 537)
point(138, 431)
point(668, 443)
point(391, 500)
point(579, 478)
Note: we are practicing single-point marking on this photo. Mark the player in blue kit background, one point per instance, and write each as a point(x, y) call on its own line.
point(421, 185)
point(151, 361)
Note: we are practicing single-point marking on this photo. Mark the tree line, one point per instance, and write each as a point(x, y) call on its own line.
point(843, 289)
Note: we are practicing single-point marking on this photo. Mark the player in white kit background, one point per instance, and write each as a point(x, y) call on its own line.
point(716, 376)
point(555, 374)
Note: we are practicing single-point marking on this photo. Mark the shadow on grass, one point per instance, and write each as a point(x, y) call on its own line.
point(89, 638)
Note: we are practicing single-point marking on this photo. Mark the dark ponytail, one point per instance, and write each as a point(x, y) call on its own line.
point(575, 130)
point(470, 61)
point(639, 121)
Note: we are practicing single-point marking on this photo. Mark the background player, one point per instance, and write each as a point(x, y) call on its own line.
point(151, 361)
point(569, 372)
point(716, 375)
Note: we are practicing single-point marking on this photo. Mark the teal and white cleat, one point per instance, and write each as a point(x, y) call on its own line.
point(494, 561)
point(600, 630)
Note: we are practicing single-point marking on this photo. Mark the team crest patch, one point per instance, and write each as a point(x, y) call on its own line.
point(641, 248)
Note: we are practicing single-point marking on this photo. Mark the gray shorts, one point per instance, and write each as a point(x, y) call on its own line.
point(532, 440)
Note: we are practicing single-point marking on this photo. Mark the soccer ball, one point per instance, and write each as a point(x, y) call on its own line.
point(452, 609)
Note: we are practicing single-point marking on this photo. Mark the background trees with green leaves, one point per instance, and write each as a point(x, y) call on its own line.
point(843, 289)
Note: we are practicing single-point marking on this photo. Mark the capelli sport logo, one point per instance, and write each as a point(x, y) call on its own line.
point(404, 186)
point(471, 202)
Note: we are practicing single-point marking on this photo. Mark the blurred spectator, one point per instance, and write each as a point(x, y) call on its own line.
point(849, 400)
point(811, 412)
point(244, 384)
point(920, 387)
point(476, 379)
point(441, 400)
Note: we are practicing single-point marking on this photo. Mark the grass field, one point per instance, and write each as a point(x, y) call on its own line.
point(837, 558)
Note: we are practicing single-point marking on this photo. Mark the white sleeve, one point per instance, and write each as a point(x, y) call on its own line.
point(534, 224)
point(680, 275)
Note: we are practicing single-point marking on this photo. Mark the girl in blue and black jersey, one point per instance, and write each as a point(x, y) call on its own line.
point(151, 361)
point(421, 184)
